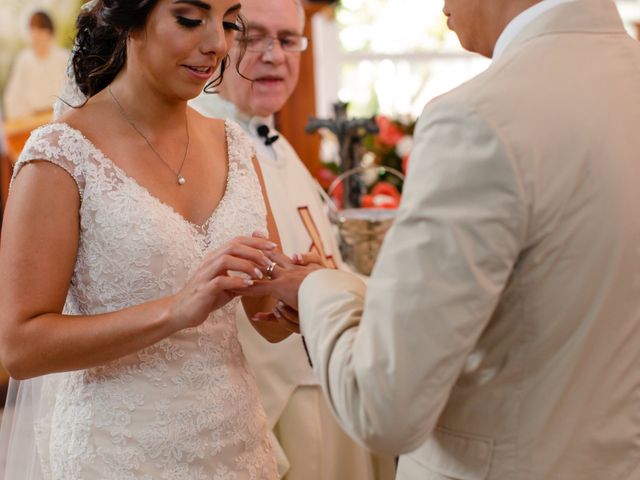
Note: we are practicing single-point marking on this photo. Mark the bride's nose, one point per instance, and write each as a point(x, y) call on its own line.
point(214, 41)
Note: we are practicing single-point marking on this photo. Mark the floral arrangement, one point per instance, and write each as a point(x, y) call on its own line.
point(389, 148)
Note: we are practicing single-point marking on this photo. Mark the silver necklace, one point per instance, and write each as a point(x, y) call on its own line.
point(181, 180)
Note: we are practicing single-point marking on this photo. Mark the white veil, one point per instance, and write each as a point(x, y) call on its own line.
point(25, 428)
point(70, 97)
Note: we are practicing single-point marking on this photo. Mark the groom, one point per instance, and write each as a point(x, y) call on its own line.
point(499, 335)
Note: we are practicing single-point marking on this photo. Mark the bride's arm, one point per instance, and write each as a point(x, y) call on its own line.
point(37, 256)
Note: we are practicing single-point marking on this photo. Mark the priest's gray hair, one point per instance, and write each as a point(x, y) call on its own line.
point(301, 13)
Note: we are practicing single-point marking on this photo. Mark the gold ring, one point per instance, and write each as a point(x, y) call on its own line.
point(270, 269)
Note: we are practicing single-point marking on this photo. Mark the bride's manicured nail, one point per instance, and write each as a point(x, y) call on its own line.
point(248, 282)
point(258, 273)
point(297, 258)
point(277, 313)
point(271, 245)
point(259, 234)
point(266, 262)
point(280, 304)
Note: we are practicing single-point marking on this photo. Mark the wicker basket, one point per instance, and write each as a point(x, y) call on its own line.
point(360, 230)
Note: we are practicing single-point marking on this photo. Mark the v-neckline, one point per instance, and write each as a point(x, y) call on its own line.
point(120, 171)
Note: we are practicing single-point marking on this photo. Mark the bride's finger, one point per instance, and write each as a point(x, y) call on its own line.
point(239, 250)
point(259, 288)
point(234, 285)
point(244, 246)
point(261, 243)
point(224, 264)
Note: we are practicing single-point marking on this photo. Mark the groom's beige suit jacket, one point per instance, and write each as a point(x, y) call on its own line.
point(499, 336)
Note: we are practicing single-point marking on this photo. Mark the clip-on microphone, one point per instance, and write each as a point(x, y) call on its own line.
point(263, 131)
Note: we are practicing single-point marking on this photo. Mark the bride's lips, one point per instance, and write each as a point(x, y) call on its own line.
point(199, 72)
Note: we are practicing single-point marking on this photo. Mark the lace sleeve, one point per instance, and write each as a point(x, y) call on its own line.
point(240, 145)
point(58, 144)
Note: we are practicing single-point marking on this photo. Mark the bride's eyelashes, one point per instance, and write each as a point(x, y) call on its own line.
point(193, 23)
point(188, 22)
point(231, 26)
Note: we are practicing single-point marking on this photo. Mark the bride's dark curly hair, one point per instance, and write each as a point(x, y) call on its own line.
point(100, 48)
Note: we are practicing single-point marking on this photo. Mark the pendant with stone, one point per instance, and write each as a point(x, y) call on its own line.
point(181, 180)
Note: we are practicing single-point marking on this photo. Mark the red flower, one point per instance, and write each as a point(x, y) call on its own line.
point(366, 201)
point(383, 195)
point(389, 131)
point(385, 188)
point(379, 201)
point(325, 177)
point(405, 164)
point(336, 195)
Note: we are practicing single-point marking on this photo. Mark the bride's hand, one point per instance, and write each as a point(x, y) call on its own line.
point(212, 287)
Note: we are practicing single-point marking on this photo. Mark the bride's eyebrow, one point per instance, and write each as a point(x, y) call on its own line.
point(206, 6)
point(195, 3)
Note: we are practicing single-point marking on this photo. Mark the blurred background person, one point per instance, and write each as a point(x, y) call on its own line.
point(309, 443)
point(38, 72)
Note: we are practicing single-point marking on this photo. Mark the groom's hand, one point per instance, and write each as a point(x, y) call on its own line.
point(281, 315)
point(286, 278)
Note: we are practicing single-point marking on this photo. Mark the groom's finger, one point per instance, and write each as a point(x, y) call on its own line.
point(280, 258)
point(307, 259)
point(270, 317)
point(286, 312)
point(264, 317)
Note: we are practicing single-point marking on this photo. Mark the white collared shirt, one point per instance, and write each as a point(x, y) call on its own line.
point(216, 106)
point(520, 22)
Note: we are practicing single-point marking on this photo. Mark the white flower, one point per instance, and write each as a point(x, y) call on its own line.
point(404, 146)
point(329, 147)
point(381, 200)
point(370, 172)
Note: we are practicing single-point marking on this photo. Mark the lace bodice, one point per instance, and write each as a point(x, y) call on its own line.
point(183, 409)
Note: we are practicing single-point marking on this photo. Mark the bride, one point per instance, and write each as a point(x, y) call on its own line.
point(129, 236)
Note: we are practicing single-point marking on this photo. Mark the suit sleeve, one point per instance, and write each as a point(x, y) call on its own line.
point(388, 355)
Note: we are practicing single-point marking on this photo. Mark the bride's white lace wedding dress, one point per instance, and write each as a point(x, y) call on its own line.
point(186, 408)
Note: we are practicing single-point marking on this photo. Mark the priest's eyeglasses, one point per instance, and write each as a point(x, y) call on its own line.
point(265, 43)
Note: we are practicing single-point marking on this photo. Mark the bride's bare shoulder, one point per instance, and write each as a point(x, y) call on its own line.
point(213, 128)
point(87, 117)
